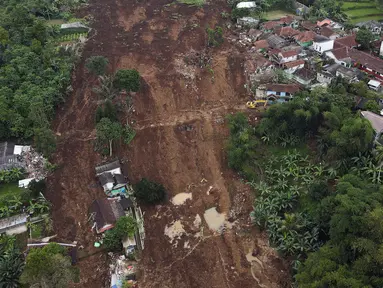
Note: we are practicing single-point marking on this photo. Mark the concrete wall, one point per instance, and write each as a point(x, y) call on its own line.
point(323, 46)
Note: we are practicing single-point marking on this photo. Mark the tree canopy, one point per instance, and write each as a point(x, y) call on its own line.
point(128, 80)
point(97, 65)
point(48, 267)
point(364, 37)
point(108, 131)
point(149, 192)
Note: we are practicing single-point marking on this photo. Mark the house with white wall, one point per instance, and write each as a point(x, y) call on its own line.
point(287, 56)
point(322, 44)
point(292, 66)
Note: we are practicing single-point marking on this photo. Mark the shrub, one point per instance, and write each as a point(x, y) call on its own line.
point(149, 192)
point(36, 187)
point(128, 80)
point(125, 226)
point(215, 36)
point(97, 65)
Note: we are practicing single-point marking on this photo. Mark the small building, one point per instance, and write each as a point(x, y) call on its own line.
point(374, 85)
point(13, 225)
point(75, 27)
point(304, 76)
point(328, 32)
point(10, 155)
point(112, 167)
point(289, 20)
point(105, 213)
point(291, 67)
point(246, 5)
point(308, 25)
point(340, 55)
point(322, 44)
point(306, 38)
point(287, 56)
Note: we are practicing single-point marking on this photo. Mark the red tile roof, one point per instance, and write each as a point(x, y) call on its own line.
point(348, 41)
point(289, 53)
point(287, 19)
point(274, 51)
point(367, 60)
point(290, 88)
point(306, 36)
point(308, 25)
point(270, 24)
point(294, 63)
point(326, 31)
point(341, 53)
point(286, 31)
point(261, 44)
point(323, 22)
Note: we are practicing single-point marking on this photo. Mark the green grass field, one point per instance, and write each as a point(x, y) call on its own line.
point(346, 5)
point(276, 14)
point(362, 12)
point(7, 191)
point(367, 18)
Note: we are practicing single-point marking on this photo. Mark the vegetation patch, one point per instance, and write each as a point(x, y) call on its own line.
point(276, 14)
point(192, 2)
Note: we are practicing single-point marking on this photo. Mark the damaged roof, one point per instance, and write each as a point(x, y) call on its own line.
point(348, 41)
point(107, 167)
point(105, 178)
point(261, 44)
point(296, 63)
point(305, 74)
point(286, 31)
point(306, 36)
point(290, 88)
point(106, 212)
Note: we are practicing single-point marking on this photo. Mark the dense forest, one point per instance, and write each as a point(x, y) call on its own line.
point(316, 171)
point(35, 72)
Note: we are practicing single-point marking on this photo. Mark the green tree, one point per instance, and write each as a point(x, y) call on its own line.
point(36, 187)
point(45, 141)
point(124, 227)
point(372, 106)
point(4, 36)
point(128, 80)
point(108, 131)
point(97, 65)
point(149, 192)
point(11, 263)
point(48, 267)
point(364, 37)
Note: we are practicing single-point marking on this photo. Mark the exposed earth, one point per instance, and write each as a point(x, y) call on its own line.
point(181, 129)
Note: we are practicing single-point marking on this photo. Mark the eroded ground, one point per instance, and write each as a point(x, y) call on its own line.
point(181, 132)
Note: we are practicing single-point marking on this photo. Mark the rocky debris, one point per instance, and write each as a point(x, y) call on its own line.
point(200, 59)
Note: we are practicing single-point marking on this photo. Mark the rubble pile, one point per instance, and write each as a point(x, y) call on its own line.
point(34, 164)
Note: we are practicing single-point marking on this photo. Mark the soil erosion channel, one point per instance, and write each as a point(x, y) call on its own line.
point(181, 131)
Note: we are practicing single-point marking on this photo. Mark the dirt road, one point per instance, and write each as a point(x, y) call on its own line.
point(181, 132)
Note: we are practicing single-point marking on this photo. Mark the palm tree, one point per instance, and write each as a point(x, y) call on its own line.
point(11, 266)
point(378, 154)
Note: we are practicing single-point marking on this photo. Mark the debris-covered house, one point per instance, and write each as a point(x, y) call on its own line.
point(270, 25)
point(372, 25)
point(249, 22)
point(285, 31)
point(289, 20)
point(304, 76)
point(327, 74)
point(281, 92)
point(10, 155)
point(350, 74)
point(275, 41)
point(254, 34)
point(308, 25)
point(286, 56)
point(261, 45)
point(104, 213)
point(112, 179)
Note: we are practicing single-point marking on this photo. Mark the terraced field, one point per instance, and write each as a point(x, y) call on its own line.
point(362, 11)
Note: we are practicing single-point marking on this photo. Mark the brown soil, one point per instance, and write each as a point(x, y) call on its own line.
point(153, 38)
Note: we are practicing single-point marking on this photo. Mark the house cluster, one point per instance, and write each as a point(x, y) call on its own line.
point(104, 213)
point(119, 201)
point(310, 54)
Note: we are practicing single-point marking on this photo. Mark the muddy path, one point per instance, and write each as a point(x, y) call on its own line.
point(181, 133)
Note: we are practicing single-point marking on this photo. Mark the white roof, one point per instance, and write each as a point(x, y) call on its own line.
point(25, 182)
point(374, 83)
point(248, 19)
point(19, 148)
point(246, 5)
point(73, 25)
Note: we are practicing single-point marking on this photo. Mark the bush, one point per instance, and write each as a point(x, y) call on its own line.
point(36, 187)
point(128, 134)
point(239, 13)
point(319, 190)
point(128, 80)
point(149, 192)
point(125, 226)
point(215, 36)
point(96, 65)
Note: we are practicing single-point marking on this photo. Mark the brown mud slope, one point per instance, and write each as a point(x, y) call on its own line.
point(181, 131)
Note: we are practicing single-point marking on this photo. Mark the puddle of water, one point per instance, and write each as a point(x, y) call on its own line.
point(181, 198)
point(215, 220)
point(175, 230)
